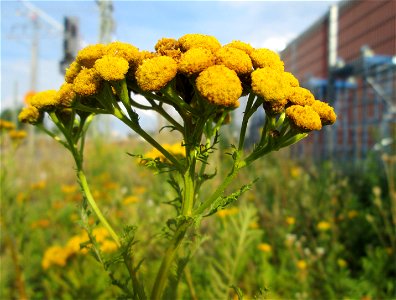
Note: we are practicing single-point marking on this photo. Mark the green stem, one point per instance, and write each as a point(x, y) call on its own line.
point(245, 120)
point(221, 188)
point(84, 185)
point(170, 254)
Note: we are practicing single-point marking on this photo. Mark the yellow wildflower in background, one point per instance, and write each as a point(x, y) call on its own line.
point(68, 189)
point(154, 73)
point(139, 190)
point(39, 185)
point(43, 223)
point(130, 199)
point(228, 212)
point(111, 68)
point(290, 220)
point(6, 125)
point(108, 246)
point(295, 171)
point(175, 149)
point(341, 263)
point(54, 255)
point(323, 226)
point(220, 86)
point(352, 214)
point(265, 247)
point(301, 265)
point(17, 134)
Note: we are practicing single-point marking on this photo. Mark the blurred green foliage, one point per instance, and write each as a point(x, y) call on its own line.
point(304, 231)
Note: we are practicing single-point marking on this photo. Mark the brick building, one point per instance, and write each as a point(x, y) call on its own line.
point(348, 58)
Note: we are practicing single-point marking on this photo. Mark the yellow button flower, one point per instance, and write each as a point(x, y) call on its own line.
point(196, 40)
point(270, 84)
point(66, 94)
point(7, 125)
point(45, 100)
point(17, 134)
point(301, 264)
point(87, 82)
point(265, 247)
point(325, 112)
point(247, 48)
point(86, 57)
point(323, 226)
point(196, 60)
point(29, 114)
point(301, 96)
point(127, 51)
point(153, 74)
point(234, 59)
point(304, 118)
point(293, 81)
point(111, 68)
point(72, 72)
point(220, 86)
point(263, 57)
point(169, 47)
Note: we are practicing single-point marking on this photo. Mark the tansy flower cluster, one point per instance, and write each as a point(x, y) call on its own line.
point(57, 255)
point(197, 67)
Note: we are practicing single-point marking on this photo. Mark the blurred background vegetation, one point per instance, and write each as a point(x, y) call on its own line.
point(305, 231)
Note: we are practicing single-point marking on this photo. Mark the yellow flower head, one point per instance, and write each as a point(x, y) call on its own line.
point(304, 118)
point(220, 86)
point(124, 50)
point(153, 74)
point(265, 247)
point(86, 57)
point(341, 263)
point(66, 95)
point(291, 79)
point(108, 246)
point(72, 71)
point(45, 100)
point(270, 84)
point(17, 134)
point(290, 221)
point(143, 55)
point(263, 57)
point(352, 214)
point(87, 82)
point(29, 114)
point(228, 212)
point(68, 189)
point(323, 226)
point(168, 47)
point(73, 244)
point(196, 60)
point(175, 149)
point(100, 234)
point(325, 112)
point(300, 96)
point(54, 255)
point(196, 40)
point(234, 59)
point(6, 125)
point(111, 67)
point(301, 264)
point(247, 48)
point(130, 200)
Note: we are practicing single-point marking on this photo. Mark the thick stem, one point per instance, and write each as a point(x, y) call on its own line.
point(170, 255)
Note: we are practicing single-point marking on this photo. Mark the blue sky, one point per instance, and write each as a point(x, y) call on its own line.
point(269, 24)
